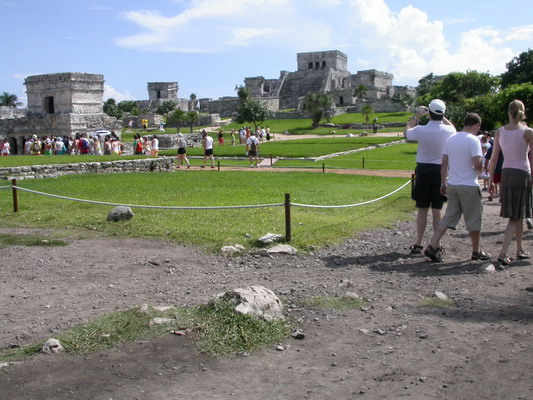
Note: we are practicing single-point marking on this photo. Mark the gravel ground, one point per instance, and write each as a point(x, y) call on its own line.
point(481, 348)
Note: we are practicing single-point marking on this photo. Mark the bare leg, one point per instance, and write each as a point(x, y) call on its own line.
point(510, 232)
point(437, 215)
point(421, 222)
point(475, 236)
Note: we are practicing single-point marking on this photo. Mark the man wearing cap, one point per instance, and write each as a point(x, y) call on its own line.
point(431, 139)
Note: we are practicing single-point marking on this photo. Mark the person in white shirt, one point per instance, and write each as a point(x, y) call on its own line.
point(461, 163)
point(431, 138)
point(5, 147)
point(252, 145)
point(207, 143)
point(155, 146)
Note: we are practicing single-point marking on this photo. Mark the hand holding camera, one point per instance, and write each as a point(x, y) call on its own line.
point(421, 111)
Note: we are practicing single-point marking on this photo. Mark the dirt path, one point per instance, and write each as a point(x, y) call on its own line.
point(396, 348)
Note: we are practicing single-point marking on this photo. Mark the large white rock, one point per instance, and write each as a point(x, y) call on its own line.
point(270, 238)
point(257, 301)
point(282, 249)
point(52, 346)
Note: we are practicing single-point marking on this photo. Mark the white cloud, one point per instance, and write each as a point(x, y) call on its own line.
point(414, 45)
point(214, 26)
point(408, 43)
point(112, 93)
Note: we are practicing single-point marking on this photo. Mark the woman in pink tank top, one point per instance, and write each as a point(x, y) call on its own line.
point(516, 142)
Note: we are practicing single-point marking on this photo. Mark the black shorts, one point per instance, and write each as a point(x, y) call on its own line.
point(208, 152)
point(182, 151)
point(426, 191)
point(252, 153)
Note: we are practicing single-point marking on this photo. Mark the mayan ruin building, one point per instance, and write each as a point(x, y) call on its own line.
point(319, 72)
point(58, 104)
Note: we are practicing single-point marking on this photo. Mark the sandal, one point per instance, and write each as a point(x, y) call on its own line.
point(434, 254)
point(416, 249)
point(504, 260)
point(480, 255)
point(523, 255)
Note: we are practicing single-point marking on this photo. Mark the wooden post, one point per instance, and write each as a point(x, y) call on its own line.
point(271, 163)
point(287, 217)
point(323, 167)
point(15, 197)
point(218, 164)
point(363, 163)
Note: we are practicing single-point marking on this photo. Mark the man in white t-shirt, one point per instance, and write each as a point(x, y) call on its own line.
point(461, 162)
point(252, 145)
point(207, 143)
point(431, 138)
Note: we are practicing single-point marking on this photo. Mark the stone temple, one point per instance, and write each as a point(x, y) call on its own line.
point(320, 72)
point(58, 104)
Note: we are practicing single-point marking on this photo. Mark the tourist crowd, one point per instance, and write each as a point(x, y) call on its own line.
point(450, 165)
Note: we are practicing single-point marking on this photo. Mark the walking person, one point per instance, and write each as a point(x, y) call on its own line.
point(431, 139)
point(461, 163)
point(207, 143)
point(252, 144)
point(155, 146)
point(182, 151)
point(515, 140)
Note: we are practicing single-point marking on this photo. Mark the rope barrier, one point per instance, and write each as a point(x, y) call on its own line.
point(146, 206)
point(5, 187)
point(353, 205)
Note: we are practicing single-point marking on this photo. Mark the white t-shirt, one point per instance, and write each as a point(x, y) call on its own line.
point(155, 144)
point(460, 148)
point(5, 148)
point(252, 139)
point(208, 142)
point(431, 139)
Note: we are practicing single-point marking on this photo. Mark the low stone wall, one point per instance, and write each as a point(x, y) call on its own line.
point(162, 164)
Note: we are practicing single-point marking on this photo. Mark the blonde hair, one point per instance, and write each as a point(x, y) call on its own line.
point(517, 110)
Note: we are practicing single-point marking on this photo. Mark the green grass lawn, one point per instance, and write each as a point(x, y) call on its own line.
point(211, 229)
point(400, 157)
point(303, 126)
point(295, 148)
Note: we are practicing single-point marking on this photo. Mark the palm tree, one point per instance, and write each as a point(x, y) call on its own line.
point(9, 100)
point(191, 117)
point(360, 91)
point(192, 102)
point(366, 110)
point(317, 105)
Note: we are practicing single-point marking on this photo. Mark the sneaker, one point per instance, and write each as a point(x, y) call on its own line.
point(202, 166)
point(434, 254)
point(416, 249)
point(480, 255)
point(529, 223)
point(188, 166)
point(251, 165)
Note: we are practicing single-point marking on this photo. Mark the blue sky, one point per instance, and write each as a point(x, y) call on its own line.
point(209, 46)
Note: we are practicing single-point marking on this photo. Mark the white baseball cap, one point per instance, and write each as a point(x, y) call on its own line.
point(437, 106)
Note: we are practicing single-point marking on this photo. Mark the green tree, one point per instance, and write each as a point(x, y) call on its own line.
point(252, 111)
point(367, 111)
point(404, 99)
point(458, 86)
point(426, 84)
point(165, 107)
point(519, 70)
point(129, 106)
point(317, 105)
point(191, 117)
point(111, 109)
point(9, 100)
point(243, 93)
point(176, 118)
point(360, 91)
